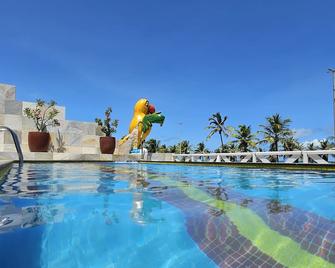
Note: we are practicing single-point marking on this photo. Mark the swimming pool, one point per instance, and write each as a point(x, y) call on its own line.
point(149, 215)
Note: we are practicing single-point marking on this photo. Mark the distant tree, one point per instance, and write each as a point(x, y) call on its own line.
point(218, 150)
point(245, 140)
point(201, 148)
point(163, 149)
point(232, 148)
point(291, 144)
point(217, 125)
point(324, 144)
point(331, 141)
point(227, 148)
point(172, 149)
point(311, 146)
point(275, 131)
point(184, 147)
point(152, 145)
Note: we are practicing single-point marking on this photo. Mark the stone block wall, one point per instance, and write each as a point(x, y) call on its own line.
point(79, 137)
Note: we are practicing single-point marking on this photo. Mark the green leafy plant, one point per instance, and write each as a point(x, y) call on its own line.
point(43, 115)
point(61, 143)
point(108, 126)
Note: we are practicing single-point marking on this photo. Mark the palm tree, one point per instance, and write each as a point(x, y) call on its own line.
point(331, 141)
point(201, 148)
point(291, 144)
point(276, 131)
point(184, 147)
point(244, 138)
point(163, 149)
point(172, 149)
point(216, 125)
point(324, 144)
point(311, 146)
point(152, 145)
point(229, 147)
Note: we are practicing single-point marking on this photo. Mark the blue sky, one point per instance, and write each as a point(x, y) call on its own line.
point(246, 59)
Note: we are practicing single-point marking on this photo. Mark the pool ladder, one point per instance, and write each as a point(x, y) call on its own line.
point(16, 142)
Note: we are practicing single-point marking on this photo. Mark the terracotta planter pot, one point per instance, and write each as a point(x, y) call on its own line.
point(38, 141)
point(107, 145)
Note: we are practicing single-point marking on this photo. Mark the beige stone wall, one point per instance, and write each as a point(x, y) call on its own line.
point(79, 137)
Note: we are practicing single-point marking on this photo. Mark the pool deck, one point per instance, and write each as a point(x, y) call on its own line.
point(5, 163)
point(63, 157)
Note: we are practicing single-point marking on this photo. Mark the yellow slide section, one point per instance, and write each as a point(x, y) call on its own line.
point(281, 248)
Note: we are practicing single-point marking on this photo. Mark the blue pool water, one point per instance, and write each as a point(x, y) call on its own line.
point(139, 215)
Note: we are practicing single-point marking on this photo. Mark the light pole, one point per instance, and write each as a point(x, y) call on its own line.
point(332, 71)
point(180, 125)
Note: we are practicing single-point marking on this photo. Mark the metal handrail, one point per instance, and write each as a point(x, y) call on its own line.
point(16, 142)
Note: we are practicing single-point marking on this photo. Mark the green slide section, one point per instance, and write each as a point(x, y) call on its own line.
point(281, 248)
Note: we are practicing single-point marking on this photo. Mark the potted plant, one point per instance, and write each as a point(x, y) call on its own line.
point(44, 116)
point(108, 126)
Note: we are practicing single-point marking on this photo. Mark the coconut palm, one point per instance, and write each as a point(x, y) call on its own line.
point(184, 147)
point(152, 145)
point(245, 140)
point(276, 131)
point(331, 141)
point(172, 149)
point(311, 146)
point(201, 148)
point(291, 144)
point(218, 150)
point(163, 149)
point(217, 125)
point(324, 144)
point(229, 147)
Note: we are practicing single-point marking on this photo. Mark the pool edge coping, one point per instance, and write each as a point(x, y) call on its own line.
point(285, 166)
point(303, 167)
point(5, 163)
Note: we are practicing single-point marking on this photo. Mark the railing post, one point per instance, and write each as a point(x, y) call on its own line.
point(254, 158)
point(305, 157)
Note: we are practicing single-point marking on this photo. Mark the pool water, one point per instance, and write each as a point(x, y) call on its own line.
point(149, 215)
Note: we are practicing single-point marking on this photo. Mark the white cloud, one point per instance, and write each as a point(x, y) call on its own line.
point(302, 132)
point(316, 142)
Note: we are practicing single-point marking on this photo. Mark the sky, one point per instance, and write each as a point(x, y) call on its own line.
point(245, 59)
